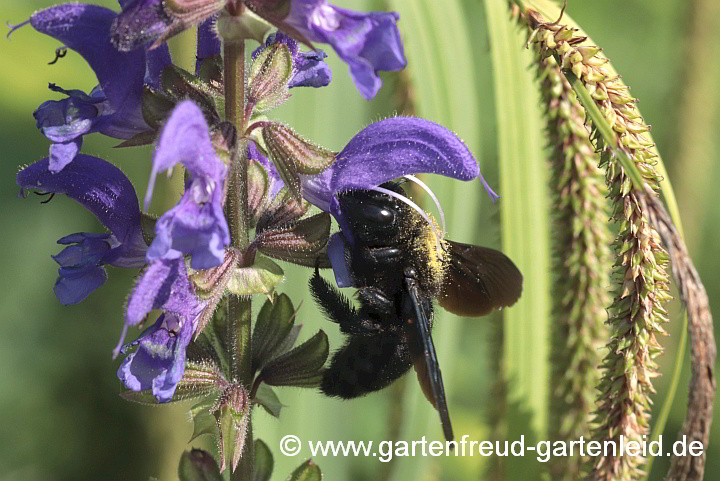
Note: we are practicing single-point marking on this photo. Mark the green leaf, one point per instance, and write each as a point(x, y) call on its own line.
point(307, 471)
point(273, 325)
point(203, 423)
point(198, 465)
point(300, 367)
point(525, 220)
point(268, 399)
point(263, 467)
point(260, 278)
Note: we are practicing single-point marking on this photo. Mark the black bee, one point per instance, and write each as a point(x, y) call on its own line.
point(400, 263)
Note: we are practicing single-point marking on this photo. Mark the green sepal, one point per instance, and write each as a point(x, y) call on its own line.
point(260, 278)
point(211, 72)
point(147, 225)
point(300, 367)
point(258, 188)
point(233, 433)
point(156, 107)
point(269, 77)
point(181, 84)
point(293, 155)
point(211, 283)
point(263, 466)
point(268, 399)
point(183, 392)
point(198, 465)
point(273, 325)
point(143, 138)
point(298, 242)
point(283, 209)
point(307, 471)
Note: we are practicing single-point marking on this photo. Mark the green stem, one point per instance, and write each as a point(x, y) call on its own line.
point(239, 308)
point(606, 132)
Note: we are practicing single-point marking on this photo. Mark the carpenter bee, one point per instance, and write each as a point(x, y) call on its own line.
point(399, 262)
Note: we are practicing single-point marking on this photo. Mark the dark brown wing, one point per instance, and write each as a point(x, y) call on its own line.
point(479, 280)
point(425, 361)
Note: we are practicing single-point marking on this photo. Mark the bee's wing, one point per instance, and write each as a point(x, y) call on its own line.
point(426, 363)
point(478, 280)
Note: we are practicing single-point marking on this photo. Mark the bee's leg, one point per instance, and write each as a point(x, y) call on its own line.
point(339, 309)
point(375, 303)
point(366, 364)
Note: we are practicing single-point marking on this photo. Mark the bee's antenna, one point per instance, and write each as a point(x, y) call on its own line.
point(424, 214)
point(432, 196)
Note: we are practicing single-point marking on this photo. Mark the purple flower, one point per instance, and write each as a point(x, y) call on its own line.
point(106, 192)
point(145, 21)
point(159, 361)
point(208, 43)
point(196, 225)
point(367, 42)
point(381, 152)
point(114, 108)
point(309, 69)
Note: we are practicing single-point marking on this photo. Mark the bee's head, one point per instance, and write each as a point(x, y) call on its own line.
point(375, 217)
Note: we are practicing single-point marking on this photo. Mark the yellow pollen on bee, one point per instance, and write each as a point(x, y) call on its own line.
point(437, 248)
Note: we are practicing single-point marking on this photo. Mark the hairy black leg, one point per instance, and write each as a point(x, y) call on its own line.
point(375, 303)
point(339, 309)
point(366, 364)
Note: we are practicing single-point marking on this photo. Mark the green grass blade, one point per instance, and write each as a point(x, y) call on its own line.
point(441, 70)
point(525, 221)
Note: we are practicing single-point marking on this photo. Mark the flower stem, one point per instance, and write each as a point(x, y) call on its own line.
point(235, 113)
point(239, 309)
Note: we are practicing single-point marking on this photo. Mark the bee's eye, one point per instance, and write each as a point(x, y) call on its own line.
point(376, 214)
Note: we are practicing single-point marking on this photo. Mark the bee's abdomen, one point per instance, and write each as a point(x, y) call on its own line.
point(366, 364)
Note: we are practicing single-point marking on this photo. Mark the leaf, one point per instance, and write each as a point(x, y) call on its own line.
point(260, 278)
point(198, 465)
point(307, 471)
point(525, 220)
point(273, 325)
point(266, 397)
point(300, 367)
point(263, 467)
point(204, 423)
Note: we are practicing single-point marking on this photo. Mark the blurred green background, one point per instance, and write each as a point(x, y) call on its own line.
point(60, 415)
